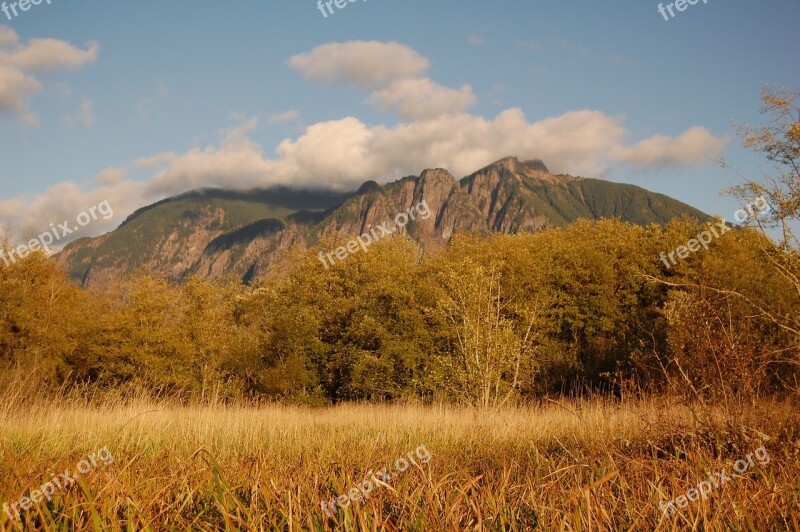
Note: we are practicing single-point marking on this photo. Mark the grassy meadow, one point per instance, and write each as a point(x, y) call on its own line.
point(568, 465)
point(566, 379)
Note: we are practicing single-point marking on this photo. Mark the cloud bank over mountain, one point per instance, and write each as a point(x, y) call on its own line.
point(20, 63)
point(434, 130)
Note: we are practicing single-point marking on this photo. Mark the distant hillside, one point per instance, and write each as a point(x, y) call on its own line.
point(166, 236)
point(215, 233)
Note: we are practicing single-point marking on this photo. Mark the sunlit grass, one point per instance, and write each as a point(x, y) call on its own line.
point(571, 465)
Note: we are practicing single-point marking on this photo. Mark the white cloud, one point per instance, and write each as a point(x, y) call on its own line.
point(15, 89)
point(390, 71)
point(47, 55)
point(7, 36)
point(65, 201)
point(362, 64)
point(236, 163)
point(11, 208)
point(341, 154)
point(695, 146)
point(19, 61)
point(110, 176)
point(282, 118)
point(155, 161)
point(420, 99)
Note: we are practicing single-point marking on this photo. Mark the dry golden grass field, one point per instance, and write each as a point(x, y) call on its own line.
point(595, 465)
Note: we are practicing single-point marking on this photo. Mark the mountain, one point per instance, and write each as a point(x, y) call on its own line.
point(214, 232)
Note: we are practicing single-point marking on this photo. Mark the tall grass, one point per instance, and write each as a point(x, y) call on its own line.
point(569, 465)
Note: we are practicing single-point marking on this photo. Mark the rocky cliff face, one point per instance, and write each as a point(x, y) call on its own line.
point(221, 233)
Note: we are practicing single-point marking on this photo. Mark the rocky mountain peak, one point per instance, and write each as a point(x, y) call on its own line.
point(369, 187)
point(535, 165)
point(223, 233)
point(513, 166)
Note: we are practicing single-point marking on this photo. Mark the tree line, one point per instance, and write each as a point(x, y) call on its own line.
point(490, 320)
point(487, 321)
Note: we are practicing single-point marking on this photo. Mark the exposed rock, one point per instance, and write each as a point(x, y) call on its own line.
point(214, 233)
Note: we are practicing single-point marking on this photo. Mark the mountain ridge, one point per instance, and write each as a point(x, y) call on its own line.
point(216, 232)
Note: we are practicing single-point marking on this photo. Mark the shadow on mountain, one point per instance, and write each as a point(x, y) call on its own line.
point(266, 227)
point(283, 197)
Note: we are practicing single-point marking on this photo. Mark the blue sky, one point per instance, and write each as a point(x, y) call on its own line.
point(136, 101)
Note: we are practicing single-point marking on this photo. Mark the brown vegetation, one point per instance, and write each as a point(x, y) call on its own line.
point(206, 393)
